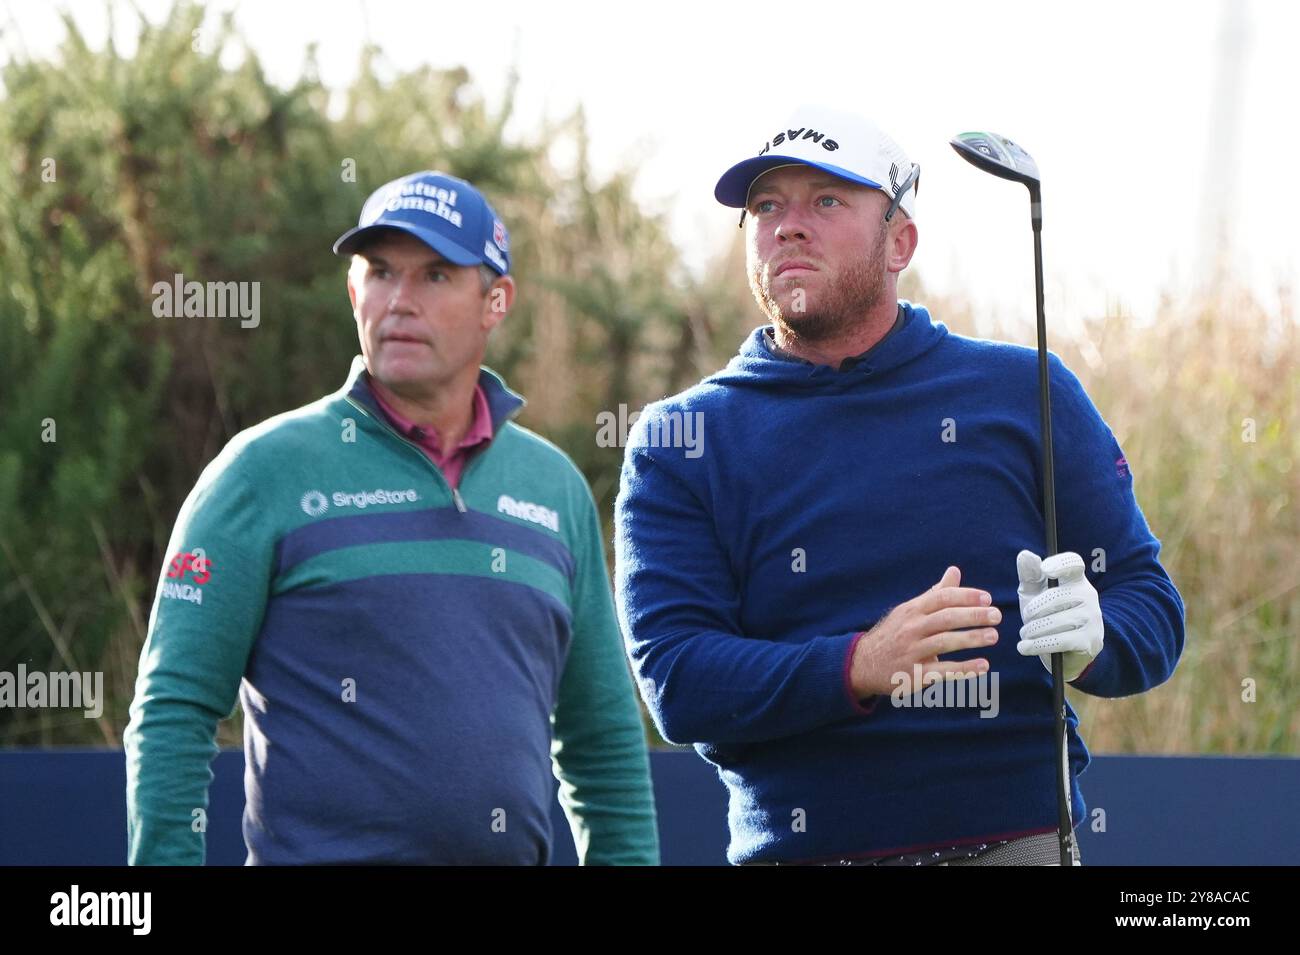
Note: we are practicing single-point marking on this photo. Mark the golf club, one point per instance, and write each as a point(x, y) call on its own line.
point(1002, 158)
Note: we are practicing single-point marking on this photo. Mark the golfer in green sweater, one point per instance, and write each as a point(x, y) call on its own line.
point(406, 591)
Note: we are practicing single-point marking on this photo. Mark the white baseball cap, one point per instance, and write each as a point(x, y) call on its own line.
point(843, 144)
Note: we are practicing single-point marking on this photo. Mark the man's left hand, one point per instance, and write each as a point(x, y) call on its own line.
point(1063, 619)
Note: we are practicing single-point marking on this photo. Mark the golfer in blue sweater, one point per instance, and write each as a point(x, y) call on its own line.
point(834, 590)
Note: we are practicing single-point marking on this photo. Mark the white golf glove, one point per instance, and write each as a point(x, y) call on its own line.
point(1064, 619)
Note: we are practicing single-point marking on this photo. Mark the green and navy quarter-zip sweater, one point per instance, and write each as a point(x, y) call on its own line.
point(414, 662)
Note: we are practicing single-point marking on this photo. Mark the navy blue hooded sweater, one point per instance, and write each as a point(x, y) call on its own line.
point(773, 512)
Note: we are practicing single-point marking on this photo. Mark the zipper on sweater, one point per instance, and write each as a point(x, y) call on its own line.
point(473, 462)
point(469, 466)
point(455, 494)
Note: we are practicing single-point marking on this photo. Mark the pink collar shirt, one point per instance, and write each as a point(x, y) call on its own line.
point(452, 463)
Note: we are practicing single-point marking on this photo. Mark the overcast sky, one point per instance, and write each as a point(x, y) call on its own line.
point(1115, 100)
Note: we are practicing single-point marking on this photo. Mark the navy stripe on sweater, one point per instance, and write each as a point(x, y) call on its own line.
point(444, 523)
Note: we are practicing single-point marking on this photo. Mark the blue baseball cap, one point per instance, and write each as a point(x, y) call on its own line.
point(445, 213)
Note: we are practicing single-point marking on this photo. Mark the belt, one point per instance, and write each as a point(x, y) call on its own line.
point(1041, 849)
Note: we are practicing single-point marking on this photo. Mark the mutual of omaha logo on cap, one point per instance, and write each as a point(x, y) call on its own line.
point(447, 214)
point(843, 144)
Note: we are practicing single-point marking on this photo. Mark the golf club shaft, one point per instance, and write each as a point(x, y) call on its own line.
point(1064, 825)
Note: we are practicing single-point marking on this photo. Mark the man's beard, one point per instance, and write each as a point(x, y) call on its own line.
point(840, 308)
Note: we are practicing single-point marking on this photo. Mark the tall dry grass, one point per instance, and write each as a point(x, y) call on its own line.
point(1203, 401)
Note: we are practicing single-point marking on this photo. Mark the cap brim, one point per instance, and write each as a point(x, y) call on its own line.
point(733, 188)
point(351, 240)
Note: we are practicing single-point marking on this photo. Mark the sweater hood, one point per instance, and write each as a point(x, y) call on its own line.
point(757, 366)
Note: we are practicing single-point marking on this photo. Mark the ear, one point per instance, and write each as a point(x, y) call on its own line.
point(352, 289)
point(902, 242)
point(498, 301)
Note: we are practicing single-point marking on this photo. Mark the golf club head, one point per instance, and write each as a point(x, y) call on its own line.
point(997, 155)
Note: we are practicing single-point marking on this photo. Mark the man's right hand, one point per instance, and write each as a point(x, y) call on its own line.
point(922, 630)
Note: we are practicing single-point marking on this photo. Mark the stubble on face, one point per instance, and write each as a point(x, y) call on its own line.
point(827, 316)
